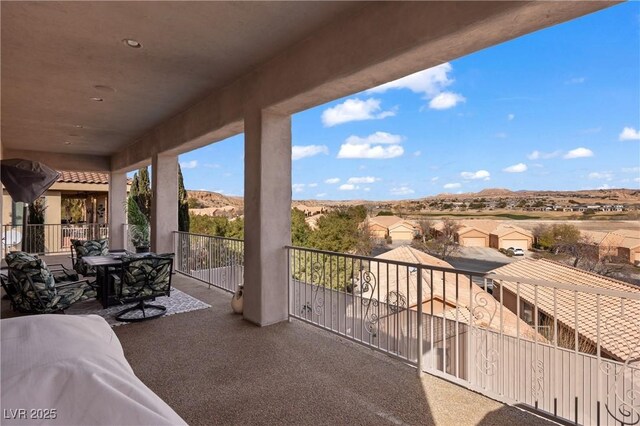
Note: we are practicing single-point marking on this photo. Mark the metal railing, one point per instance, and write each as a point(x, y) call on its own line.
point(567, 350)
point(216, 261)
point(49, 238)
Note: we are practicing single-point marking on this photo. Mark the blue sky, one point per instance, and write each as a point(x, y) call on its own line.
point(558, 109)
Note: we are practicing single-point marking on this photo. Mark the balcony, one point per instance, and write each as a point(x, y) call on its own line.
point(216, 368)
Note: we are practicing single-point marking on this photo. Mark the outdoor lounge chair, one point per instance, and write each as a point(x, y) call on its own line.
point(31, 286)
point(81, 248)
point(141, 279)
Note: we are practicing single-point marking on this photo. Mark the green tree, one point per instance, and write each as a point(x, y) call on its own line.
point(300, 230)
point(336, 231)
point(183, 204)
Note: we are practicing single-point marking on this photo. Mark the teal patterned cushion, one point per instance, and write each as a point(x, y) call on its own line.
point(88, 248)
point(145, 277)
point(35, 287)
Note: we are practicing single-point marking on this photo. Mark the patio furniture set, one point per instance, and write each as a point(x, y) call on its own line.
point(114, 277)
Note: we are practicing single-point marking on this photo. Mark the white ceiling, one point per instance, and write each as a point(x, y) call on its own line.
point(55, 54)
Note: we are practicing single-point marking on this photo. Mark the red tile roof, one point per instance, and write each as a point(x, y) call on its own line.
point(83, 177)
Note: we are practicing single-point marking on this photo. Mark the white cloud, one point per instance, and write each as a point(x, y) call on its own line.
point(375, 138)
point(511, 116)
point(601, 175)
point(578, 153)
point(446, 100)
point(189, 164)
point(516, 168)
point(480, 174)
point(303, 151)
point(501, 135)
point(539, 155)
point(403, 190)
point(605, 186)
point(332, 180)
point(348, 187)
point(435, 179)
point(322, 194)
point(364, 179)
point(453, 185)
point(631, 170)
point(298, 187)
point(430, 81)
point(312, 185)
point(417, 153)
point(378, 145)
point(354, 109)
point(212, 166)
point(629, 134)
point(576, 80)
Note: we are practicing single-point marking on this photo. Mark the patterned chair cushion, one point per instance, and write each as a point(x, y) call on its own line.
point(88, 248)
point(145, 277)
point(35, 287)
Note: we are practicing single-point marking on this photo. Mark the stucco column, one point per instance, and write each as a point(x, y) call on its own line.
point(116, 215)
point(267, 208)
point(164, 202)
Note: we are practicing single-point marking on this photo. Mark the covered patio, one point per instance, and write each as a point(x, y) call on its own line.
point(122, 85)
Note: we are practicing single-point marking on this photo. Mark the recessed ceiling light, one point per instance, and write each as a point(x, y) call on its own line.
point(67, 143)
point(132, 43)
point(97, 99)
point(79, 126)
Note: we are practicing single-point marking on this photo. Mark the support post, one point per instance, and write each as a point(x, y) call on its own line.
point(117, 216)
point(164, 202)
point(267, 207)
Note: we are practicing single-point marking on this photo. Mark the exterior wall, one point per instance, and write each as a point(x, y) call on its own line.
point(401, 233)
point(52, 215)
point(473, 234)
point(630, 255)
point(499, 242)
point(7, 205)
point(378, 231)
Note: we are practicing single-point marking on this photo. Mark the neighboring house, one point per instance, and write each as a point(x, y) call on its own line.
point(617, 321)
point(622, 243)
point(506, 236)
point(91, 187)
point(392, 226)
point(470, 236)
point(492, 233)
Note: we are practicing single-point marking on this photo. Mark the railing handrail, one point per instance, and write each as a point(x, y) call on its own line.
point(209, 236)
point(491, 276)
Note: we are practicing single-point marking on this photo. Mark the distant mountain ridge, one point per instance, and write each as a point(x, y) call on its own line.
point(209, 199)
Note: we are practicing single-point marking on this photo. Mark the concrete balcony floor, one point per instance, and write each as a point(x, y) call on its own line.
point(213, 367)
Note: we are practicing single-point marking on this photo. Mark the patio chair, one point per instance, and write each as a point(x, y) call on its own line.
point(141, 279)
point(82, 248)
point(32, 288)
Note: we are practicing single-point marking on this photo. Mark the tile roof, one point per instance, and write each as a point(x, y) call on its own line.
point(83, 177)
point(385, 221)
point(468, 303)
point(619, 317)
point(504, 229)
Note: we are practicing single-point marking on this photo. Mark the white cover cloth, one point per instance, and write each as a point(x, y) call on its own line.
point(75, 365)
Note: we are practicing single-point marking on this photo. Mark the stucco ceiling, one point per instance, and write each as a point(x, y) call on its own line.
point(57, 56)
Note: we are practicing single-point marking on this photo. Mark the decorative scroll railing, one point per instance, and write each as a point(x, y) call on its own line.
point(569, 351)
point(216, 261)
point(49, 238)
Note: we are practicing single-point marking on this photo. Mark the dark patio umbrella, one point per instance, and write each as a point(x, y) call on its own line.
point(26, 181)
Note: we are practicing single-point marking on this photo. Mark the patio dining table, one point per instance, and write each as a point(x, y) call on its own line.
point(102, 264)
